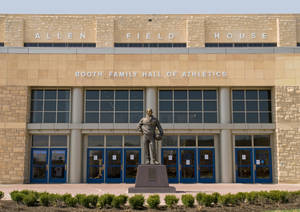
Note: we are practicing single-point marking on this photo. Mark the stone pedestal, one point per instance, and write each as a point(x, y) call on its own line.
point(152, 179)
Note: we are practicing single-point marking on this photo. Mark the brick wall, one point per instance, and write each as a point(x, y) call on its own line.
point(14, 151)
point(287, 150)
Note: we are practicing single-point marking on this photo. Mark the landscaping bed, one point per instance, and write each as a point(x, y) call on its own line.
point(252, 201)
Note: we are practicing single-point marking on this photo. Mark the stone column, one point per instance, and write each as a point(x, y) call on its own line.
point(225, 137)
point(151, 102)
point(76, 144)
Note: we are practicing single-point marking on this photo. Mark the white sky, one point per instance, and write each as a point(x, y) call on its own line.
point(148, 6)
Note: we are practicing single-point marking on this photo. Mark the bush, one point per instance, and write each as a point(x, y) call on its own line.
point(1, 194)
point(66, 196)
point(45, 199)
point(228, 200)
point(55, 199)
point(105, 200)
point(92, 200)
point(208, 200)
point(137, 201)
point(30, 199)
point(153, 201)
point(17, 196)
point(71, 201)
point(188, 200)
point(171, 201)
point(119, 201)
point(241, 197)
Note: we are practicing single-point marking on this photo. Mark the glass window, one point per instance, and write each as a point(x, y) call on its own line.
point(40, 140)
point(262, 140)
point(58, 140)
point(169, 140)
point(115, 106)
point(251, 106)
point(206, 140)
point(132, 140)
point(114, 140)
point(95, 140)
point(188, 106)
point(50, 106)
point(188, 140)
point(243, 140)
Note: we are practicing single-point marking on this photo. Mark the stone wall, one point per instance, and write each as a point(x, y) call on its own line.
point(287, 150)
point(14, 151)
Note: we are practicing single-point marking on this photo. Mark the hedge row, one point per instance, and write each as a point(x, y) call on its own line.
point(1, 195)
point(33, 198)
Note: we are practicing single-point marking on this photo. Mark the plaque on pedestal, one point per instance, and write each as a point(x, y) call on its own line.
point(152, 179)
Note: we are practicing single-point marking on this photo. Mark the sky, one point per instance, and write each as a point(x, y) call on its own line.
point(148, 6)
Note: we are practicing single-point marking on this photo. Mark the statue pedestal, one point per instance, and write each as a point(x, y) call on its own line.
point(152, 179)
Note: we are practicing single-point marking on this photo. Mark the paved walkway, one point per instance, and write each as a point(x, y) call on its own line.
point(123, 188)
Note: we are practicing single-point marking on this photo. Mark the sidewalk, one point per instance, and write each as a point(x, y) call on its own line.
point(117, 189)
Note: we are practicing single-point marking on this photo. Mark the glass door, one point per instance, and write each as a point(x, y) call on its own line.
point(263, 165)
point(187, 165)
point(58, 165)
point(39, 165)
point(206, 165)
point(243, 160)
point(132, 160)
point(95, 165)
point(170, 159)
point(114, 165)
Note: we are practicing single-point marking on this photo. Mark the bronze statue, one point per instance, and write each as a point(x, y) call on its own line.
point(147, 127)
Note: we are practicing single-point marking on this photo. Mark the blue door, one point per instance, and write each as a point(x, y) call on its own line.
point(243, 161)
point(206, 165)
point(263, 165)
point(169, 157)
point(58, 165)
point(95, 165)
point(114, 168)
point(39, 166)
point(132, 160)
point(188, 165)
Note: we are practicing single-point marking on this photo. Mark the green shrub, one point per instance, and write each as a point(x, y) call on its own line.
point(171, 201)
point(188, 200)
point(1, 194)
point(153, 201)
point(45, 199)
point(71, 201)
point(208, 200)
point(92, 200)
point(56, 200)
point(137, 201)
point(66, 196)
point(252, 197)
point(241, 196)
point(119, 201)
point(17, 196)
point(105, 200)
point(30, 199)
point(228, 200)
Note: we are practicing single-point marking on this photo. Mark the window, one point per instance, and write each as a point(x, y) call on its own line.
point(150, 45)
point(1, 44)
point(298, 44)
point(229, 45)
point(252, 140)
point(60, 45)
point(114, 106)
point(50, 106)
point(251, 106)
point(188, 106)
point(49, 140)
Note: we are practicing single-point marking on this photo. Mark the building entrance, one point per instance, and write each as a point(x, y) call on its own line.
point(48, 162)
point(254, 163)
point(113, 158)
point(185, 162)
point(48, 165)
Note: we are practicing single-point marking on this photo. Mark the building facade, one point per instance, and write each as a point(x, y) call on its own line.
point(226, 89)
